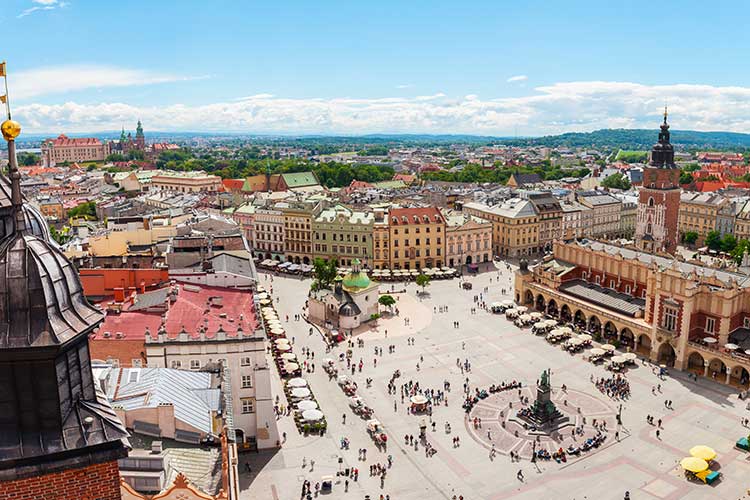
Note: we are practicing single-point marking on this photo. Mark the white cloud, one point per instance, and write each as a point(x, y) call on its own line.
point(40, 5)
point(60, 79)
point(517, 78)
point(405, 86)
point(560, 107)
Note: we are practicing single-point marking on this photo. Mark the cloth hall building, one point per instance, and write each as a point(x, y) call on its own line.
point(681, 314)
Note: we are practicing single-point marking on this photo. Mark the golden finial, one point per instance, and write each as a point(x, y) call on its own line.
point(10, 129)
point(665, 113)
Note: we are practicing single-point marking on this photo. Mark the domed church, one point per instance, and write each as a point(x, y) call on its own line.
point(353, 300)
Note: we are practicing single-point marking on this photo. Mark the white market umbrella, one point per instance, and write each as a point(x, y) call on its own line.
point(297, 382)
point(596, 352)
point(618, 359)
point(536, 315)
point(281, 341)
point(731, 347)
point(522, 309)
point(290, 367)
point(418, 399)
point(710, 340)
point(277, 331)
point(284, 347)
point(630, 356)
point(585, 337)
point(312, 415)
point(307, 404)
point(608, 347)
point(262, 295)
point(264, 302)
point(301, 393)
point(525, 317)
point(289, 356)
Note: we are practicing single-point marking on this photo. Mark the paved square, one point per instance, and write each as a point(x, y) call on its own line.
point(647, 466)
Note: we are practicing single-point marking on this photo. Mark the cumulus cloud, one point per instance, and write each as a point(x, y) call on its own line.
point(517, 78)
point(69, 78)
point(560, 107)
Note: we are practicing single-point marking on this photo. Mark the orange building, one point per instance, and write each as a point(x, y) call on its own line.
point(100, 283)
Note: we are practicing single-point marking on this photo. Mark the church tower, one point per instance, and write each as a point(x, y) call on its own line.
point(659, 198)
point(140, 139)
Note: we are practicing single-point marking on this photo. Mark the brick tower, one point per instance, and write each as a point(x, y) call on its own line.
point(59, 438)
point(659, 198)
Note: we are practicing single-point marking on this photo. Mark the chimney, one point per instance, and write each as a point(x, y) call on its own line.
point(119, 294)
point(156, 447)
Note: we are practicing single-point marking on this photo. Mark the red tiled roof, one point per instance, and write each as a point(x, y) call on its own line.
point(401, 216)
point(708, 186)
point(233, 184)
point(64, 141)
point(191, 311)
point(404, 177)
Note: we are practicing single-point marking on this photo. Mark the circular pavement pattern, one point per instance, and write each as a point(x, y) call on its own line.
point(500, 408)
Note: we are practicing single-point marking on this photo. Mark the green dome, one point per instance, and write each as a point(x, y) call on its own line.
point(356, 280)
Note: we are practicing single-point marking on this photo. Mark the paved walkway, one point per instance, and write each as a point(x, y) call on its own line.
point(704, 413)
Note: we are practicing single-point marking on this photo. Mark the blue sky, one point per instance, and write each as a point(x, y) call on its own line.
point(495, 67)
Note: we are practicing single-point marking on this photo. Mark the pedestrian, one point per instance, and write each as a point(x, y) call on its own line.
point(519, 475)
point(658, 434)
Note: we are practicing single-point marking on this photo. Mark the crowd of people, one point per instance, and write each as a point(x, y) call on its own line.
point(616, 387)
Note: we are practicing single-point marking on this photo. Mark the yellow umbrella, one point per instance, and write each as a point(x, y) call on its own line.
point(694, 464)
point(703, 452)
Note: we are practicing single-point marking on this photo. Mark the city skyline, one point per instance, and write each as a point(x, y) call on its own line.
point(336, 68)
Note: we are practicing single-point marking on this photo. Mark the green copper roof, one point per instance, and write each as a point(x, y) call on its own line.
point(300, 179)
point(358, 280)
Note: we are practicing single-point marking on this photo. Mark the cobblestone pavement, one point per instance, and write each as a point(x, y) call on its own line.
point(703, 413)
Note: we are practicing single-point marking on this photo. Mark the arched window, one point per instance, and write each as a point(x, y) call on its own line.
point(651, 203)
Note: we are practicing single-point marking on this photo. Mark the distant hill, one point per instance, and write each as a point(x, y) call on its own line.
point(637, 139)
point(608, 139)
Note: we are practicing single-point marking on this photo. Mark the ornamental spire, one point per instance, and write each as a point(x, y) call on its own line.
point(10, 130)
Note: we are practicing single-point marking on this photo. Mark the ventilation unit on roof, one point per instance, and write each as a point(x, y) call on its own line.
point(107, 335)
point(119, 335)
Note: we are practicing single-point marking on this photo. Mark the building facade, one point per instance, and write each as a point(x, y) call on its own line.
point(298, 232)
point(659, 198)
point(417, 238)
point(64, 149)
point(515, 226)
point(468, 239)
point(268, 233)
point(187, 182)
point(606, 211)
point(343, 234)
point(381, 246)
point(662, 308)
point(550, 215)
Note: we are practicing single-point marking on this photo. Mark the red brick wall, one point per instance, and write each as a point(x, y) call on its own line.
point(95, 482)
point(737, 320)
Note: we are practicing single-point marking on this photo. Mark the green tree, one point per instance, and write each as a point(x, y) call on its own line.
point(324, 271)
point(728, 243)
point(27, 159)
point(422, 280)
point(113, 157)
point(713, 240)
point(87, 210)
point(686, 178)
point(690, 237)
point(742, 247)
point(616, 181)
point(387, 301)
point(61, 237)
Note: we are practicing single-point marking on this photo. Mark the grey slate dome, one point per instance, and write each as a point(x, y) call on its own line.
point(35, 221)
point(349, 309)
point(41, 297)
